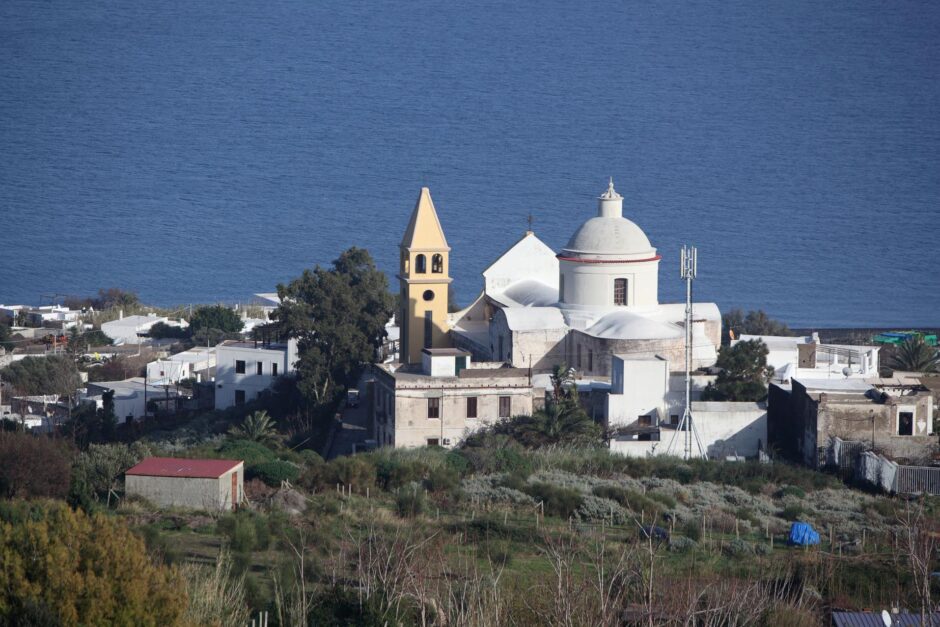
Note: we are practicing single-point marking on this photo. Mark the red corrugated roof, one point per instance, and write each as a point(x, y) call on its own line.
point(176, 467)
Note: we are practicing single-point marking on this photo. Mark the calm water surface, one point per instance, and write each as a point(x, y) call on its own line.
point(200, 151)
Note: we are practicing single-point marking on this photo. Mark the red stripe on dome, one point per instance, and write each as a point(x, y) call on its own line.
point(580, 260)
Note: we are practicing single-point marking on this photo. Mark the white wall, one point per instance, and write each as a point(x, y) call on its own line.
point(227, 380)
point(592, 284)
point(731, 428)
point(638, 388)
point(528, 259)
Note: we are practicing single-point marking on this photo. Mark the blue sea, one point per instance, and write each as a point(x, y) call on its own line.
point(204, 151)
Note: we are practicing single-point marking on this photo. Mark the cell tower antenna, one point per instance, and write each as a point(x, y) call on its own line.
point(688, 270)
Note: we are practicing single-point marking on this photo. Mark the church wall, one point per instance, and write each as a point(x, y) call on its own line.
point(540, 348)
point(592, 284)
point(596, 353)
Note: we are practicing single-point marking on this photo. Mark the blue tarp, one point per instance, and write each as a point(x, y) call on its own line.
point(802, 533)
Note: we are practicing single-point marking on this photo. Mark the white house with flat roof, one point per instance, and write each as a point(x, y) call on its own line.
point(196, 363)
point(245, 369)
point(805, 357)
point(128, 329)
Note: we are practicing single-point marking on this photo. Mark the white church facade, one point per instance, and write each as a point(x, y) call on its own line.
point(597, 298)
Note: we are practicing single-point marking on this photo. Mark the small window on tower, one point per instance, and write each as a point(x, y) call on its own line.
point(421, 264)
point(620, 291)
point(437, 264)
point(428, 295)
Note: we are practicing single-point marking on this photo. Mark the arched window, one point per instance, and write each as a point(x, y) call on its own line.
point(620, 291)
point(421, 264)
point(437, 264)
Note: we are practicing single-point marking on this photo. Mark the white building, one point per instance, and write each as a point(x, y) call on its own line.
point(445, 398)
point(130, 397)
point(244, 369)
point(209, 484)
point(597, 298)
point(196, 363)
point(805, 357)
point(129, 329)
point(646, 403)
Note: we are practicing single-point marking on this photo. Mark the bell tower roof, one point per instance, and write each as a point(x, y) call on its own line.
point(424, 230)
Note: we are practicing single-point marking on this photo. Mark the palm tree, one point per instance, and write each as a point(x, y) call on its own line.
point(562, 379)
point(257, 427)
point(915, 355)
point(559, 422)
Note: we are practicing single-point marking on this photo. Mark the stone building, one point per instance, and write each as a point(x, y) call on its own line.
point(893, 416)
point(445, 397)
point(210, 484)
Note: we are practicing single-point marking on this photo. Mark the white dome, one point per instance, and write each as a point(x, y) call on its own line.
point(613, 236)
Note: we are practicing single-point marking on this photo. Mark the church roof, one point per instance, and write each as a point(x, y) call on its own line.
point(609, 234)
point(424, 229)
point(528, 293)
point(615, 236)
point(534, 318)
point(631, 326)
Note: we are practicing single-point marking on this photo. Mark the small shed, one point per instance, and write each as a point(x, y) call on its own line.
point(212, 484)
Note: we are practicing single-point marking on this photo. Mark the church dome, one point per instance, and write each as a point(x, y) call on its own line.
point(609, 234)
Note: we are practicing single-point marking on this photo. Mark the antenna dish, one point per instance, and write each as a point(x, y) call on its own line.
point(886, 618)
point(846, 372)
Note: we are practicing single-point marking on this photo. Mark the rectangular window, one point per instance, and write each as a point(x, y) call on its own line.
point(561, 288)
point(905, 423)
point(472, 407)
point(434, 408)
point(239, 397)
point(239, 366)
point(644, 421)
point(674, 419)
point(505, 406)
point(273, 368)
point(590, 360)
point(620, 291)
point(260, 368)
point(428, 328)
point(434, 442)
point(579, 357)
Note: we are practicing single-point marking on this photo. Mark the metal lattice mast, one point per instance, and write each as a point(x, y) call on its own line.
point(688, 269)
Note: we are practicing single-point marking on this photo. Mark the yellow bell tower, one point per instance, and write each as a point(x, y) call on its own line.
point(424, 278)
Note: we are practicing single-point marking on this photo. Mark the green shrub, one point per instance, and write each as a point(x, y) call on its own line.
point(442, 479)
point(738, 547)
point(665, 499)
point(692, 529)
point(458, 462)
point(357, 471)
point(251, 453)
point(392, 473)
point(245, 530)
point(791, 490)
point(499, 552)
point(273, 472)
point(558, 501)
point(762, 548)
point(681, 544)
point(632, 500)
point(792, 512)
point(410, 502)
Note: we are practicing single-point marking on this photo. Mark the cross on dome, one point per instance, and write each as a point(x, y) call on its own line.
point(611, 193)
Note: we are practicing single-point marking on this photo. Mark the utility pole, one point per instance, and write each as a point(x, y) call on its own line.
point(688, 270)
